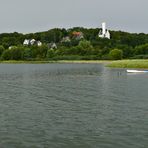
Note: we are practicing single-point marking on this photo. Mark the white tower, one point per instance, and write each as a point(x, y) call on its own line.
point(104, 33)
point(103, 28)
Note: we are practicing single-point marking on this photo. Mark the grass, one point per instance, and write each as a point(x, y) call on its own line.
point(83, 61)
point(129, 64)
point(56, 61)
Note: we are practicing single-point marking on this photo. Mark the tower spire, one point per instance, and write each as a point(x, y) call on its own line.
point(104, 33)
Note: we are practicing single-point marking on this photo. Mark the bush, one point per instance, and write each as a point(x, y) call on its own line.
point(50, 54)
point(27, 54)
point(66, 57)
point(75, 57)
point(6, 55)
point(116, 54)
point(15, 53)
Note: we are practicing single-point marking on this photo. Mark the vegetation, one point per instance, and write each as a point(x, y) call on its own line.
point(129, 64)
point(116, 54)
point(71, 46)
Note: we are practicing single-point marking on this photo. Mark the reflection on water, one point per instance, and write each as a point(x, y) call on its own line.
point(72, 106)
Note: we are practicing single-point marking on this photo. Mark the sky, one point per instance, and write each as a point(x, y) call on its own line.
point(26, 16)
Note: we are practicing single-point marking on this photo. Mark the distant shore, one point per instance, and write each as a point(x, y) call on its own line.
point(57, 61)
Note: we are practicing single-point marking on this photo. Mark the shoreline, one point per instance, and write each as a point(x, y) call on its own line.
point(58, 61)
point(138, 63)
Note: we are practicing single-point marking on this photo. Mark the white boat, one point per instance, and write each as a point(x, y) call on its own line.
point(136, 71)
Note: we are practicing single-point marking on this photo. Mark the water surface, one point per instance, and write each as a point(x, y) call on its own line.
point(72, 106)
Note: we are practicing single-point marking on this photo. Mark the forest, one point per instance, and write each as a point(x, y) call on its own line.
point(77, 43)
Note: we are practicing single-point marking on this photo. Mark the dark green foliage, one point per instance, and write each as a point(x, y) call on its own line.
point(116, 54)
point(15, 53)
point(6, 55)
point(42, 51)
point(11, 39)
point(85, 48)
point(127, 50)
point(27, 54)
point(140, 56)
point(53, 35)
point(50, 54)
point(1, 50)
point(131, 45)
point(142, 49)
point(75, 57)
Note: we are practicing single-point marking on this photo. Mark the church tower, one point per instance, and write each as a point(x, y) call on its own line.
point(104, 33)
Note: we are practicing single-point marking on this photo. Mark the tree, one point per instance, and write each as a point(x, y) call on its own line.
point(142, 49)
point(53, 35)
point(6, 55)
point(86, 47)
point(15, 53)
point(27, 54)
point(116, 54)
point(1, 49)
point(50, 53)
point(42, 51)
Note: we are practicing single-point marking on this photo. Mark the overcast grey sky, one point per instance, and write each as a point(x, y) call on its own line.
point(40, 15)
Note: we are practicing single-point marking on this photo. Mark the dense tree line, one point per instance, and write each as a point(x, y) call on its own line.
point(121, 45)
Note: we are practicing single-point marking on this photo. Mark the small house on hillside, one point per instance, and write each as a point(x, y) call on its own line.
point(32, 41)
point(39, 43)
point(52, 45)
point(78, 35)
point(28, 42)
point(65, 39)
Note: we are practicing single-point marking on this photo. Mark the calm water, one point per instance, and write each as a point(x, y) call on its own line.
point(72, 106)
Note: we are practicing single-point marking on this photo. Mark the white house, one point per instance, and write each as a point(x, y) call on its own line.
point(39, 43)
point(28, 42)
point(66, 39)
point(32, 41)
point(104, 33)
point(52, 45)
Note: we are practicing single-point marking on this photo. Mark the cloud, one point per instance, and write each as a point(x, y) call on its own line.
point(38, 15)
